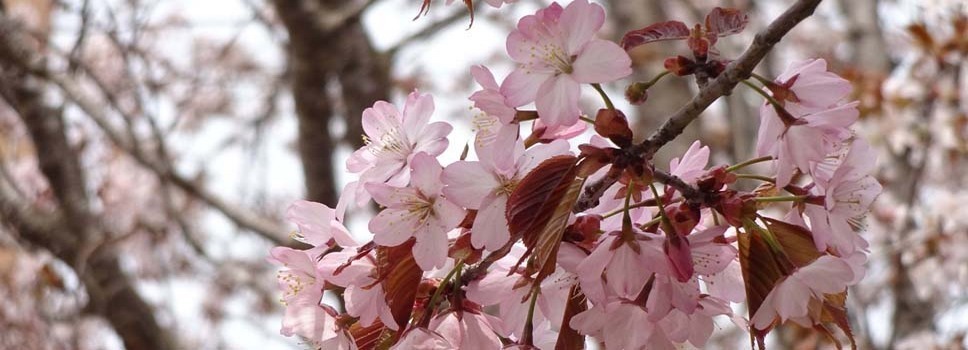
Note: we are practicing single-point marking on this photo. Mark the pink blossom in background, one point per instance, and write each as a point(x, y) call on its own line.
point(556, 51)
point(419, 211)
point(392, 139)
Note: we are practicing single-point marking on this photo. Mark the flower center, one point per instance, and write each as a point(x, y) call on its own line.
point(392, 142)
point(294, 285)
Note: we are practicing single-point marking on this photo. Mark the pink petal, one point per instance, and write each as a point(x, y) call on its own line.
point(468, 182)
point(430, 251)
point(521, 86)
point(601, 61)
point(425, 176)
point(490, 229)
point(416, 113)
point(580, 22)
point(433, 139)
point(557, 101)
point(483, 76)
point(380, 119)
point(392, 227)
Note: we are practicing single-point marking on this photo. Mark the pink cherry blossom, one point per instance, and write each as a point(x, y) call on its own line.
point(364, 297)
point(422, 339)
point(392, 139)
point(556, 51)
point(807, 141)
point(789, 298)
point(474, 330)
point(626, 268)
point(419, 211)
point(502, 288)
point(302, 290)
point(621, 324)
point(811, 87)
point(490, 100)
point(693, 163)
point(848, 194)
point(486, 184)
point(319, 225)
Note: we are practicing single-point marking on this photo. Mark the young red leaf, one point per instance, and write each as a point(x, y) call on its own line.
point(760, 270)
point(668, 30)
point(367, 338)
point(539, 207)
point(401, 279)
point(797, 242)
point(726, 21)
point(568, 338)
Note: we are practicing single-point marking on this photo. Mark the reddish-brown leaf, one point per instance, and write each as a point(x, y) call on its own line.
point(760, 270)
point(726, 21)
point(568, 338)
point(401, 279)
point(367, 338)
point(538, 209)
point(797, 242)
point(668, 30)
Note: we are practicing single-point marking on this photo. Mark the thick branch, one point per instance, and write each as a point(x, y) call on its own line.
point(723, 84)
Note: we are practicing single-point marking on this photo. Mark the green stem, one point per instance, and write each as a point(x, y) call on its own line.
point(432, 304)
point(755, 177)
point(657, 78)
point(762, 79)
point(645, 203)
point(748, 163)
point(608, 101)
point(528, 337)
point(770, 99)
point(780, 199)
point(587, 120)
point(662, 214)
point(650, 222)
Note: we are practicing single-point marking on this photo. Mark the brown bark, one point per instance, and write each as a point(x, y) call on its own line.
point(112, 293)
point(334, 69)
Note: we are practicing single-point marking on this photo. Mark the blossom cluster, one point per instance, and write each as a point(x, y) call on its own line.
point(499, 250)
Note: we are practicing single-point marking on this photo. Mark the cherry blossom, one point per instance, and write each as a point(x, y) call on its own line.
point(807, 140)
point(847, 196)
point(365, 298)
point(392, 139)
point(556, 50)
point(469, 329)
point(319, 224)
point(485, 185)
point(788, 300)
point(419, 211)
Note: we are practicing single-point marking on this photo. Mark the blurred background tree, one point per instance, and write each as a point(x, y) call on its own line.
point(148, 150)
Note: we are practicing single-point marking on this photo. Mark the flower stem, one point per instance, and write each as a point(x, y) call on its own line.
point(662, 213)
point(761, 79)
point(528, 337)
point(608, 101)
point(587, 120)
point(770, 99)
point(432, 304)
point(657, 78)
point(780, 199)
point(748, 163)
point(755, 177)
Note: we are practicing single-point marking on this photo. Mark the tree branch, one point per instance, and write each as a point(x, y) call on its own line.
point(723, 84)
